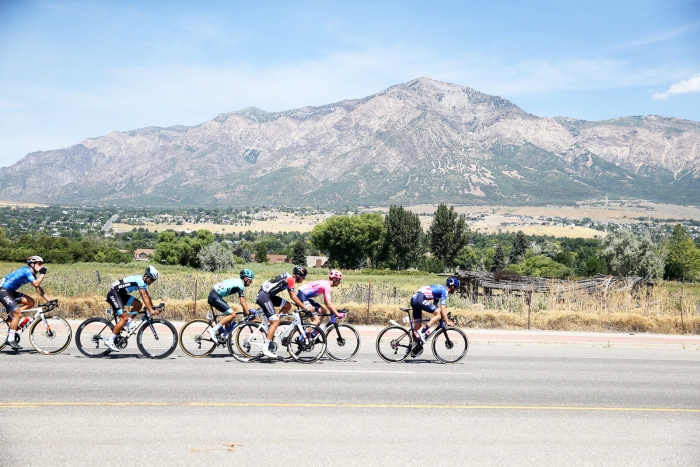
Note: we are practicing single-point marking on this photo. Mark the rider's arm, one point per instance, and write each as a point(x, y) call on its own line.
point(329, 305)
point(40, 291)
point(244, 305)
point(147, 301)
point(295, 299)
point(37, 284)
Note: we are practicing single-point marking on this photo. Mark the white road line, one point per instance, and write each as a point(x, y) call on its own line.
point(290, 370)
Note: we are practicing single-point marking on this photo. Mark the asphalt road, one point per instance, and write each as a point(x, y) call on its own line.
point(503, 405)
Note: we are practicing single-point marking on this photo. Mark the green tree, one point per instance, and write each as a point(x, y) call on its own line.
point(431, 264)
point(683, 259)
point(542, 266)
point(499, 259)
point(467, 259)
point(565, 258)
point(247, 255)
point(299, 253)
point(448, 234)
point(403, 235)
point(261, 252)
point(215, 257)
point(350, 240)
point(629, 254)
point(517, 253)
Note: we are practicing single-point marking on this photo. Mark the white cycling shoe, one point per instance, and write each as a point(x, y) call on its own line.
point(110, 345)
point(269, 353)
point(213, 335)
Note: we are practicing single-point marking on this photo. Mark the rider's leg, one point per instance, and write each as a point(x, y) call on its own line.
point(123, 318)
point(437, 316)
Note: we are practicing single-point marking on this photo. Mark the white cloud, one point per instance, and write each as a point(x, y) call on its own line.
point(685, 86)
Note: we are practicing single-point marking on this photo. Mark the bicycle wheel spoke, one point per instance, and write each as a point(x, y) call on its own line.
point(450, 345)
point(343, 342)
point(52, 336)
point(89, 337)
point(158, 340)
point(394, 344)
point(195, 340)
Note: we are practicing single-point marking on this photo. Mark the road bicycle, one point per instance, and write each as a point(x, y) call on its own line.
point(342, 340)
point(196, 341)
point(395, 343)
point(48, 334)
point(304, 342)
point(155, 337)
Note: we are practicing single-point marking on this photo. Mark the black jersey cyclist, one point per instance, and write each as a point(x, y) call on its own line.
point(224, 289)
point(16, 302)
point(268, 300)
point(118, 297)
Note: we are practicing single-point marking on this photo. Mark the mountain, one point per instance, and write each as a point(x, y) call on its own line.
point(423, 141)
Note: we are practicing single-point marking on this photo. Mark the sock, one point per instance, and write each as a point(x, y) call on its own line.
point(11, 336)
point(425, 329)
point(266, 344)
point(217, 327)
point(111, 338)
point(128, 322)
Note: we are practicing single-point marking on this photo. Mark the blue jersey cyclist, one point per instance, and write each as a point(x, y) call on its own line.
point(118, 297)
point(426, 299)
point(224, 289)
point(16, 302)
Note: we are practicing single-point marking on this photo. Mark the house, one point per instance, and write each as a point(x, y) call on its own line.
point(316, 261)
point(274, 258)
point(142, 254)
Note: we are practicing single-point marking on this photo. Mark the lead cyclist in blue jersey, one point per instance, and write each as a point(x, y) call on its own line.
point(118, 297)
point(16, 302)
point(426, 299)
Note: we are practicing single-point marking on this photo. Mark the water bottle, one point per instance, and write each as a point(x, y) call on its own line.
point(23, 323)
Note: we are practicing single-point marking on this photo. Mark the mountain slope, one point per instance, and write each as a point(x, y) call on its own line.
point(421, 141)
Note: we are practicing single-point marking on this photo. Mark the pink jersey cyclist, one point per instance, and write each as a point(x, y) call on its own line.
point(317, 288)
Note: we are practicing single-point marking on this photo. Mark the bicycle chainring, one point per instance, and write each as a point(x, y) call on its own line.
point(121, 342)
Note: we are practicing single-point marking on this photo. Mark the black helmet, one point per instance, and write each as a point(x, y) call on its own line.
point(299, 271)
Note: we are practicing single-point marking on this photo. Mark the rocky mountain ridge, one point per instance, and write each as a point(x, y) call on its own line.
point(416, 142)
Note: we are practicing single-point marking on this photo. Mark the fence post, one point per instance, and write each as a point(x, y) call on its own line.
point(196, 279)
point(99, 279)
point(369, 295)
point(529, 308)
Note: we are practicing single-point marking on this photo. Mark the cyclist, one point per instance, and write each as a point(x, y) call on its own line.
point(426, 299)
point(316, 288)
point(16, 302)
point(224, 289)
point(118, 297)
point(268, 300)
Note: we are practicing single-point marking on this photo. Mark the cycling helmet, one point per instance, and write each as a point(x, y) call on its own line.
point(247, 273)
point(299, 271)
point(452, 282)
point(35, 259)
point(335, 275)
point(152, 273)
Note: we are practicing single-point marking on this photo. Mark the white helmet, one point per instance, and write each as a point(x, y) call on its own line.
point(151, 273)
point(35, 259)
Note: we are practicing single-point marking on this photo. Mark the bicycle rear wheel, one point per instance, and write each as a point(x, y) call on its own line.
point(90, 336)
point(310, 346)
point(4, 331)
point(50, 335)
point(158, 342)
point(342, 342)
point(450, 345)
point(195, 340)
point(394, 344)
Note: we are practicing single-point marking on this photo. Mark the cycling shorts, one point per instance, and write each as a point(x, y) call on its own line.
point(215, 300)
point(420, 304)
point(10, 298)
point(268, 303)
point(307, 301)
point(118, 299)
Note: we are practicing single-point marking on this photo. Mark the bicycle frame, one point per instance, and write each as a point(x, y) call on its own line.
point(146, 319)
point(265, 325)
point(38, 313)
point(408, 319)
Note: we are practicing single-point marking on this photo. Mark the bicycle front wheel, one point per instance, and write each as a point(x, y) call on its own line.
point(90, 336)
point(342, 341)
point(4, 331)
point(309, 346)
point(450, 345)
point(157, 340)
point(50, 335)
point(246, 342)
point(195, 340)
point(394, 344)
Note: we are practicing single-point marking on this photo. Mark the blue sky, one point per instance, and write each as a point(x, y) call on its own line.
point(73, 70)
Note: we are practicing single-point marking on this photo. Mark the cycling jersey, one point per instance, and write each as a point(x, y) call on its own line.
point(18, 278)
point(129, 284)
point(316, 288)
point(435, 292)
point(277, 284)
point(229, 287)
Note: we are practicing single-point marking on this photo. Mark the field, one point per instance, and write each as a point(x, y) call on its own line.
point(375, 298)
